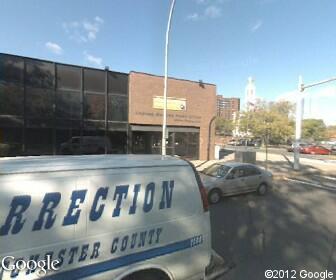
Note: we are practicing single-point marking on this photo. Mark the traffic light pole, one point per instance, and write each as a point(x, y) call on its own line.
point(299, 116)
point(298, 124)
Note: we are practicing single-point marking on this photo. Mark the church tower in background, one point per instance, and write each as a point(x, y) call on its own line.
point(250, 95)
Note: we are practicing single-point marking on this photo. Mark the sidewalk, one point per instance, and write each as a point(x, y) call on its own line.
point(280, 165)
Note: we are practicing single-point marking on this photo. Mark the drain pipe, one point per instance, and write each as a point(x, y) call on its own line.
point(209, 136)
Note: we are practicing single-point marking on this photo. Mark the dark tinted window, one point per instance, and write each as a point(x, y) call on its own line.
point(40, 121)
point(11, 99)
point(11, 69)
point(118, 83)
point(251, 171)
point(68, 105)
point(39, 74)
point(118, 142)
point(63, 137)
point(39, 141)
point(237, 172)
point(186, 144)
point(68, 77)
point(75, 140)
point(94, 80)
point(94, 106)
point(39, 103)
point(12, 138)
point(118, 108)
point(217, 170)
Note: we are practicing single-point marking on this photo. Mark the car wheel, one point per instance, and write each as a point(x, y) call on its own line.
point(262, 189)
point(214, 196)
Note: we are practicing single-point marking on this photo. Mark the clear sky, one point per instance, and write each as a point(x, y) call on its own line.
point(218, 41)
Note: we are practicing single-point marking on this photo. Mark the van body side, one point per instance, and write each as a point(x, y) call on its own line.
point(103, 216)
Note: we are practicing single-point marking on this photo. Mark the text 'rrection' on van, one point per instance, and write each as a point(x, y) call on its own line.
point(103, 217)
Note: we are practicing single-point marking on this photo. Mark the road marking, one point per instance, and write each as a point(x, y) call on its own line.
point(330, 160)
point(311, 184)
point(329, 178)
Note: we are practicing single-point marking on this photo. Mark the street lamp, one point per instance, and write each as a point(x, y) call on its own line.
point(299, 115)
point(164, 122)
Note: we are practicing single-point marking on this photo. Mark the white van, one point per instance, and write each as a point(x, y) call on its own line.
point(103, 217)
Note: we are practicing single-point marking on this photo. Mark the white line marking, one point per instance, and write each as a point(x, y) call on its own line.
point(329, 178)
point(311, 184)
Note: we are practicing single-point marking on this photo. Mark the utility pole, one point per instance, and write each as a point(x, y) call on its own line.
point(164, 122)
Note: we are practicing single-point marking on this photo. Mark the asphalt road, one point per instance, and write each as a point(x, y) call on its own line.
point(292, 228)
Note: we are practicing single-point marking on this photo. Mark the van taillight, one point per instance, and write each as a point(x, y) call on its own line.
point(204, 196)
point(203, 192)
point(201, 188)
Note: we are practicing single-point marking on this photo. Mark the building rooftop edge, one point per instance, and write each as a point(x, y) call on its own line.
point(98, 69)
point(173, 78)
point(62, 63)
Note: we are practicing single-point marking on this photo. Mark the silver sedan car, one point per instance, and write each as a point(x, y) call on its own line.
point(224, 179)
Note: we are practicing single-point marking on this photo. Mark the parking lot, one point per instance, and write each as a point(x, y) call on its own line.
point(292, 227)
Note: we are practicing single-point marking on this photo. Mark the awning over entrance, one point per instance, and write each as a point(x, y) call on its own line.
point(159, 128)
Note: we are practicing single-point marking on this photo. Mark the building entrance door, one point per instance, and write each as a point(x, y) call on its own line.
point(182, 141)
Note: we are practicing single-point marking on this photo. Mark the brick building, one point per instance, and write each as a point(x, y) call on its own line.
point(192, 106)
point(227, 107)
point(45, 106)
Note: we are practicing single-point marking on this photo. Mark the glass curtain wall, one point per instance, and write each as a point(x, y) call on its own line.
point(117, 111)
point(39, 88)
point(68, 113)
point(11, 105)
point(51, 108)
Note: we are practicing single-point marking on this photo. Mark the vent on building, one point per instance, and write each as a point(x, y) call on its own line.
point(201, 84)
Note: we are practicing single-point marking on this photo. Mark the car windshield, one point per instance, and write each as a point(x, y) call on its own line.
point(217, 170)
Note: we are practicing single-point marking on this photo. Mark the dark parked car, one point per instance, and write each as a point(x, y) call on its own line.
point(301, 146)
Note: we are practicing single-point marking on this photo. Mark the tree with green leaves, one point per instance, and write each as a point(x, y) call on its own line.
point(274, 120)
point(331, 132)
point(224, 126)
point(314, 129)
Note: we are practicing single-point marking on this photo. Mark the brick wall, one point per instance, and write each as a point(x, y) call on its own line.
point(200, 105)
